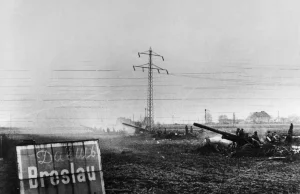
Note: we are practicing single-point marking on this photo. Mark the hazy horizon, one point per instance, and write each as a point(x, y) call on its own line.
point(69, 63)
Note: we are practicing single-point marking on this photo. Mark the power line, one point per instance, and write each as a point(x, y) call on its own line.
point(13, 70)
point(97, 107)
point(109, 78)
point(29, 100)
point(169, 99)
point(9, 78)
point(14, 86)
point(150, 66)
point(114, 86)
point(109, 100)
point(94, 70)
point(17, 94)
point(73, 118)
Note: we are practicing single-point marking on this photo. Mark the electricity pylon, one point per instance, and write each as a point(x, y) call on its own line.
point(150, 66)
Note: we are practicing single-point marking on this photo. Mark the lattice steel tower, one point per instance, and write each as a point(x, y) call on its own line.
point(150, 66)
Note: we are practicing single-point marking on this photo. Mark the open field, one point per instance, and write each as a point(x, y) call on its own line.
point(142, 164)
point(248, 128)
point(175, 167)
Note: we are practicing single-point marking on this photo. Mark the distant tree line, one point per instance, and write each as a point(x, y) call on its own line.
point(260, 117)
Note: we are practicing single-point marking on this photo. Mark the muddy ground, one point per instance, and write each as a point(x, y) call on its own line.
point(142, 164)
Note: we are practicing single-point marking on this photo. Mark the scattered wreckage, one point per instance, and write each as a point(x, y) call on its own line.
point(284, 148)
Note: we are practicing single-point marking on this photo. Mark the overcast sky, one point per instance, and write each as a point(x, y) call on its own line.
point(224, 56)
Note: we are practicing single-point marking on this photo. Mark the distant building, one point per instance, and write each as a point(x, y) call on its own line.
point(259, 117)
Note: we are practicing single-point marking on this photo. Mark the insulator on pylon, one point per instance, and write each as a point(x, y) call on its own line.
point(162, 58)
point(133, 68)
point(139, 54)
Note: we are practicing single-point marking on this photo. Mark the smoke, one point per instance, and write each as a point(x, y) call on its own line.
point(217, 139)
point(129, 130)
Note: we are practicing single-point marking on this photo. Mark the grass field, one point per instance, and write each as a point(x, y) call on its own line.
point(248, 128)
point(141, 164)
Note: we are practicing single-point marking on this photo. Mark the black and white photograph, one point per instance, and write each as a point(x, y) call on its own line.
point(149, 97)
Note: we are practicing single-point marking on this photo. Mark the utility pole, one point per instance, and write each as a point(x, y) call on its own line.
point(205, 116)
point(150, 66)
point(233, 119)
point(145, 119)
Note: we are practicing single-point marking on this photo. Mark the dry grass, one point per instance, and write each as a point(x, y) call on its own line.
point(172, 167)
point(141, 164)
